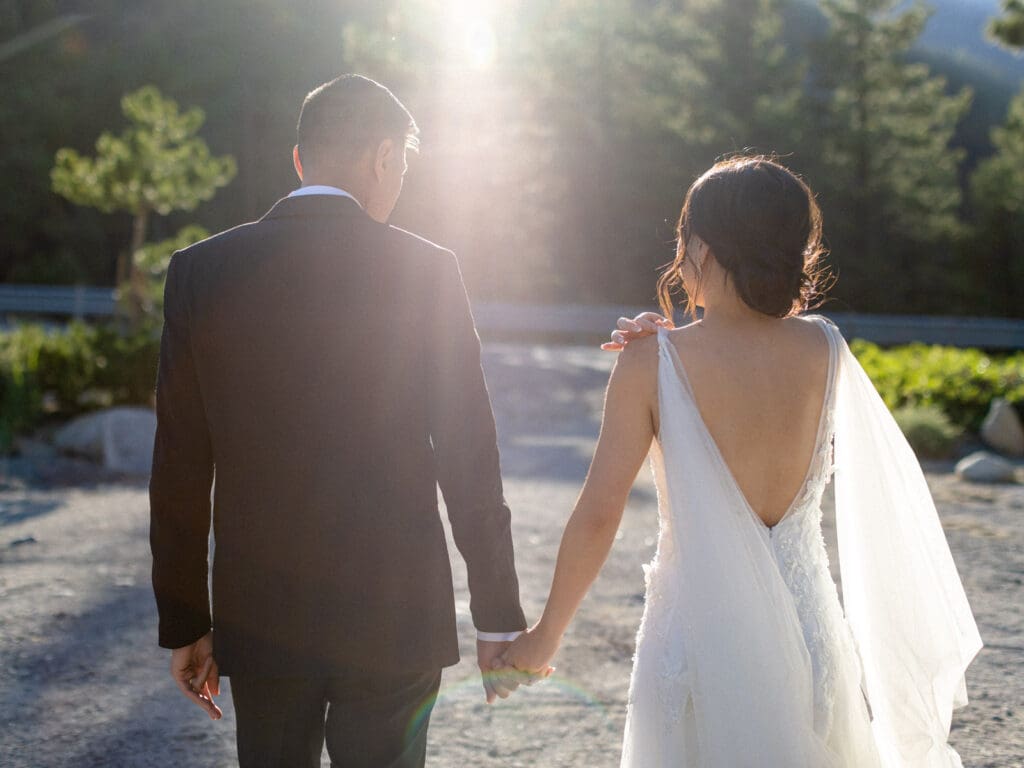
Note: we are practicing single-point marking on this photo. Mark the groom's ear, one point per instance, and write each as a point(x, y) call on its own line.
point(297, 162)
point(385, 157)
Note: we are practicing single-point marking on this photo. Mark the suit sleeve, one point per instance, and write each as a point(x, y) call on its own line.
point(466, 455)
point(179, 489)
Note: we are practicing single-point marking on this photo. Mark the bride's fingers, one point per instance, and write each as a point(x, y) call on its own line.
point(626, 324)
point(652, 317)
point(538, 676)
point(652, 321)
point(611, 346)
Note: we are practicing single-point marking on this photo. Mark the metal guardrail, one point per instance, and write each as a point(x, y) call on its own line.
point(888, 330)
point(983, 332)
point(77, 301)
point(574, 320)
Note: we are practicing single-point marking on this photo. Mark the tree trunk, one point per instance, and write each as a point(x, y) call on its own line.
point(131, 280)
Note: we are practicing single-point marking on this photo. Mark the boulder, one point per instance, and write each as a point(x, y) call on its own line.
point(121, 439)
point(1002, 429)
point(985, 467)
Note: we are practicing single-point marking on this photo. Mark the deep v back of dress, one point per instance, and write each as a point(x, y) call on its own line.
point(812, 471)
point(744, 655)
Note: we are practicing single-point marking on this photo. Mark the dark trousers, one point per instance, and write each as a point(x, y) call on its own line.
point(367, 720)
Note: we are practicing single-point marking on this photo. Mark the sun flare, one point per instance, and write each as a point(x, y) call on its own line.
point(480, 43)
point(472, 38)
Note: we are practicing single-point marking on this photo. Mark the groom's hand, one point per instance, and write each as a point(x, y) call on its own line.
point(195, 672)
point(496, 682)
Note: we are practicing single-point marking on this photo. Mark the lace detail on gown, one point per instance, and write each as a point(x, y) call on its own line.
point(660, 617)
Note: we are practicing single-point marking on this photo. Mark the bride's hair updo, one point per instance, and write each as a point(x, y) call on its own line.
point(763, 227)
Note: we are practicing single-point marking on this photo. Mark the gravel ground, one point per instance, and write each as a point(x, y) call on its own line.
point(82, 682)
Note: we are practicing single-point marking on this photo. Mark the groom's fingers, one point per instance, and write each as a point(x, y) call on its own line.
point(211, 706)
point(489, 691)
point(503, 686)
point(214, 680)
point(502, 678)
point(199, 682)
point(204, 702)
point(498, 685)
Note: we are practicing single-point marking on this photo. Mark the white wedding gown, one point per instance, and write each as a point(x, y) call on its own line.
point(744, 655)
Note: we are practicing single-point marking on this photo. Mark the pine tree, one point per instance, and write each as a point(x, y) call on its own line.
point(1008, 29)
point(752, 90)
point(888, 177)
point(997, 192)
point(651, 92)
point(156, 166)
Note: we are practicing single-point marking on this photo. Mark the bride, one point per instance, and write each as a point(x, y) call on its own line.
point(745, 655)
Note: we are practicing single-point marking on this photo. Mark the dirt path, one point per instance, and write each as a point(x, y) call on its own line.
point(82, 682)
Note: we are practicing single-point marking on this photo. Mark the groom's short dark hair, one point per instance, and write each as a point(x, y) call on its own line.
point(343, 118)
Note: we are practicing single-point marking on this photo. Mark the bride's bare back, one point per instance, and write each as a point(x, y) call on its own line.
point(760, 390)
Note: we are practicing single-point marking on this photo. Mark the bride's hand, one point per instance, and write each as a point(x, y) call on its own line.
point(644, 324)
point(531, 653)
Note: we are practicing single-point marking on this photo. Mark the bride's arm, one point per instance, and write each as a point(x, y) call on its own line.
point(628, 426)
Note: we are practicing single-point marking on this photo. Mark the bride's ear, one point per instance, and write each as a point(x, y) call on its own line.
point(700, 252)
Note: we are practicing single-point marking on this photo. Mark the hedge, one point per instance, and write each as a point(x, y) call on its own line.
point(960, 382)
point(47, 373)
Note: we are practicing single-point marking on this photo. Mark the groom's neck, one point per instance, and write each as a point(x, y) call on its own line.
point(352, 186)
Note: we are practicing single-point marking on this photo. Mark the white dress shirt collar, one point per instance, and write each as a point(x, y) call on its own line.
point(323, 189)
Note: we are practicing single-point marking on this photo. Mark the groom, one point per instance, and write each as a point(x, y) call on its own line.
point(333, 609)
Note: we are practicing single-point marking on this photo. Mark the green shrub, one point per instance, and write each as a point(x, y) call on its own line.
point(72, 370)
point(928, 430)
point(960, 382)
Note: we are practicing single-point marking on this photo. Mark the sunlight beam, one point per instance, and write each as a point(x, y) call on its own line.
point(471, 36)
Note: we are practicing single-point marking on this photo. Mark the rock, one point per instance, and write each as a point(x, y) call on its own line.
point(985, 467)
point(34, 450)
point(1002, 429)
point(121, 439)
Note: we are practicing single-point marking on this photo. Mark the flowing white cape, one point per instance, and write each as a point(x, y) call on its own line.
point(901, 590)
point(724, 629)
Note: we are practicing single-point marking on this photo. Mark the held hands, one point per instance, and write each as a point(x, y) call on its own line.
point(497, 681)
point(195, 672)
point(500, 676)
point(644, 324)
point(528, 656)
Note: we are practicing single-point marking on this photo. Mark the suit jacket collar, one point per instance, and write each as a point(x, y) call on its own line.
point(315, 206)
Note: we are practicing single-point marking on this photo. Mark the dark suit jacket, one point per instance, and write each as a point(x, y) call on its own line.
point(328, 367)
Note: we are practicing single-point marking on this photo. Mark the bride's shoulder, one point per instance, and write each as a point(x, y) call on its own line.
point(638, 362)
point(814, 322)
point(810, 327)
point(634, 379)
point(640, 353)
